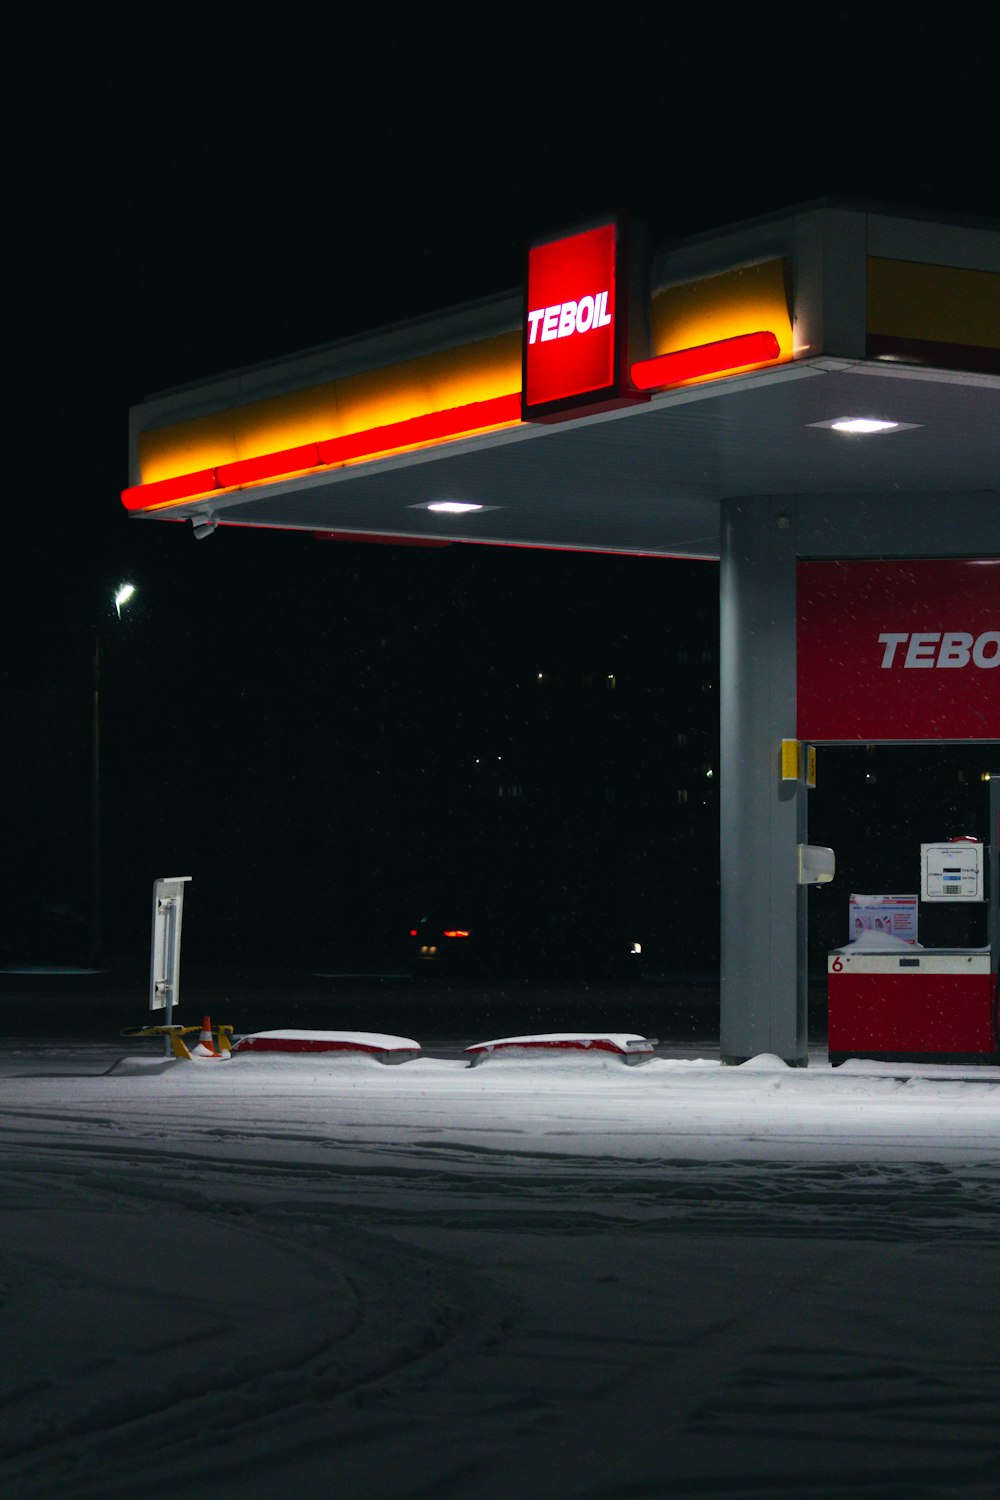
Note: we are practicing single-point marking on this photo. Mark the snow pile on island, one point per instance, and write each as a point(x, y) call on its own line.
point(878, 942)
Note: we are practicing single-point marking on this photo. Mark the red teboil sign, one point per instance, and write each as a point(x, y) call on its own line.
point(899, 650)
point(576, 319)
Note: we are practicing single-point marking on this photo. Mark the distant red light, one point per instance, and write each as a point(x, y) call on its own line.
point(413, 932)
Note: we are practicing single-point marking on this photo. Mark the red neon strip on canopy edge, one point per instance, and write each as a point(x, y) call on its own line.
point(433, 427)
point(267, 466)
point(161, 491)
point(705, 359)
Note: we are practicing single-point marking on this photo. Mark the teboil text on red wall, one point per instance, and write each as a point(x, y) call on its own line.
point(899, 651)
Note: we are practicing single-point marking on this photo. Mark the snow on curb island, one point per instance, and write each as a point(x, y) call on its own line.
point(580, 1102)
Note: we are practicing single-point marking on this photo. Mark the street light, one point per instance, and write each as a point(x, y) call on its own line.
point(122, 595)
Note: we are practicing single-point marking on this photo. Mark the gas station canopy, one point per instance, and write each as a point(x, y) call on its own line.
point(873, 315)
point(813, 399)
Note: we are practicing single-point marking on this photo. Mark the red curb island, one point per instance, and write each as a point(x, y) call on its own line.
point(385, 1049)
point(629, 1047)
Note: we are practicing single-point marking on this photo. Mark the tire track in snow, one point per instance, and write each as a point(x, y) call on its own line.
point(394, 1311)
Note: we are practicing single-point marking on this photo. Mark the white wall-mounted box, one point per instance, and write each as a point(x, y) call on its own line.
point(952, 871)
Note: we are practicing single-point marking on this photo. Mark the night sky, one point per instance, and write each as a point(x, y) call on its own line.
point(321, 735)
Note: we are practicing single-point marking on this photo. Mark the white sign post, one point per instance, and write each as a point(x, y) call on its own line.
point(165, 947)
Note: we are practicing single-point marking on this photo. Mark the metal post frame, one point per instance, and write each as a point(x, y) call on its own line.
point(165, 945)
point(764, 922)
point(95, 806)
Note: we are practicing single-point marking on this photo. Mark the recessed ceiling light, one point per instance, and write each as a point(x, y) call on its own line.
point(452, 507)
point(863, 425)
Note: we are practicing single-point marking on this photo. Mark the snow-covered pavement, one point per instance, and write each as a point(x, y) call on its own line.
point(533, 1278)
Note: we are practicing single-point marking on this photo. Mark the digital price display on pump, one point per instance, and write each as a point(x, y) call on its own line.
point(952, 871)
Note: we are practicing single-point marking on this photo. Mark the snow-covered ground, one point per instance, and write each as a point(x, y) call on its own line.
point(543, 1277)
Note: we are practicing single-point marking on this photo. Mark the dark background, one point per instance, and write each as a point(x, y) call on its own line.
point(333, 739)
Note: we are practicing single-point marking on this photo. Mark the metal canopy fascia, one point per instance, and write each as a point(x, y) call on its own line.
point(651, 478)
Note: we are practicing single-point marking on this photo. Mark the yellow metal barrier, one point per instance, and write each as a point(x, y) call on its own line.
point(221, 1035)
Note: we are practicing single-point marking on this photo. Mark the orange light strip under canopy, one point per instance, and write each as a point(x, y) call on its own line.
point(431, 428)
point(705, 359)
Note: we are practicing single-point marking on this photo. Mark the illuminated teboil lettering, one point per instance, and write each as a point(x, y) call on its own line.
point(937, 648)
point(566, 318)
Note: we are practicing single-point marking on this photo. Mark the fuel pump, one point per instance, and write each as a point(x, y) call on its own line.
point(897, 1001)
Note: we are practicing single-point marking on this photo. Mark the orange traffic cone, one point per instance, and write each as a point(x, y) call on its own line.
point(205, 1046)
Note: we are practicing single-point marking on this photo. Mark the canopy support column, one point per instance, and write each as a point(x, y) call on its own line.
point(763, 819)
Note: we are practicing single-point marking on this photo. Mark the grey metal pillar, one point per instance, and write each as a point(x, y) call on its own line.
point(763, 819)
point(993, 839)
